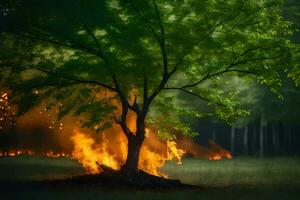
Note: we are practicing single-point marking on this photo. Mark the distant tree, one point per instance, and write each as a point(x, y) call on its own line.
point(64, 52)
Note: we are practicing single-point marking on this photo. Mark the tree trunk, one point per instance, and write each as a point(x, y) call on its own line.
point(130, 168)
point(254, 140)
point(261, 137)
point(246, 139)
point(278, 140)
point(285, 132)
point(290, 139)
point(232, 139)
point(274, 138)
point(214, 137)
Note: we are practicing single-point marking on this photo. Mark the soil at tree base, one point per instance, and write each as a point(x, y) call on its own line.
point(117, 179)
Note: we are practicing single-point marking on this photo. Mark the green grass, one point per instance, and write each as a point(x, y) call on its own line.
point(36, 168)
point(239, 171)
point(240, 178)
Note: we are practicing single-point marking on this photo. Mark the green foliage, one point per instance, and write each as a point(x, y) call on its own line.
point(168, 127)
point(69, 50)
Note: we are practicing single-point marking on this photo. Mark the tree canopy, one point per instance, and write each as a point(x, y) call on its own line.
point(141, 52)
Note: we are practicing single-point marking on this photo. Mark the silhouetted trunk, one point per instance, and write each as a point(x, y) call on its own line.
point(135, 142)
point(246, 129)
point(130, 168)
point(232, 139)
point(290, 138)
point(214, 137)
point(278, 140)
point(285, 133)
point(261, 137)
point(274, 138)
point(254, 140)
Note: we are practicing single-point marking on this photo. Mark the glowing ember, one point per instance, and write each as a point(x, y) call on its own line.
point(51, 154)
point(7, 114)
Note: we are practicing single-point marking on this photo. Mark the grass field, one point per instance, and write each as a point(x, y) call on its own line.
point(240, 178)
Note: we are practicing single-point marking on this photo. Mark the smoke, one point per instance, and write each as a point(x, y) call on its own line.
point(39, 131)
point(211, 151)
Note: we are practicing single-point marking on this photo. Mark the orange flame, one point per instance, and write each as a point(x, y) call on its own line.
point(110, 148)
point(92, 154)
point(51, 154)
point(212, 151)
point(218, 152)
point(89, 154)
point(174, 152)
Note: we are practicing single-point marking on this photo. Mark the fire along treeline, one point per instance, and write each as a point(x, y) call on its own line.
point(38, 133)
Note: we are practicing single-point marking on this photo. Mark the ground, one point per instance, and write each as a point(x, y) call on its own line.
point(23, 177)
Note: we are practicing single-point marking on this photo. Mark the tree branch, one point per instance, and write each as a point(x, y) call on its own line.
point(69, 45)
point(194, 94)
point(75, 79)
point(88, 30)
point(144, 19)
point(216, 74)
point(166, 73)
point(163, 40)
point(117, 85)
point(235, 62)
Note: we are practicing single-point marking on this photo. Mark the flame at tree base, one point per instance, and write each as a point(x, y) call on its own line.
point(110, 149)
point(88, 153)
point(91, 154)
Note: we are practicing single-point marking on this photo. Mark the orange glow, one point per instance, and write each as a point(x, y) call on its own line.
point(89, 154)
point(218, 152)
point(212, 151)
point(155, 153)
point(51, 154)
point(109, 148)
point(174, 152)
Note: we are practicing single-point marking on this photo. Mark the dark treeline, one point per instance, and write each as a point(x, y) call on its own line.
point(259, 138)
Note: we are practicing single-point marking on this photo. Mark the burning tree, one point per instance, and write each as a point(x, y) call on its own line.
point(105, 60)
